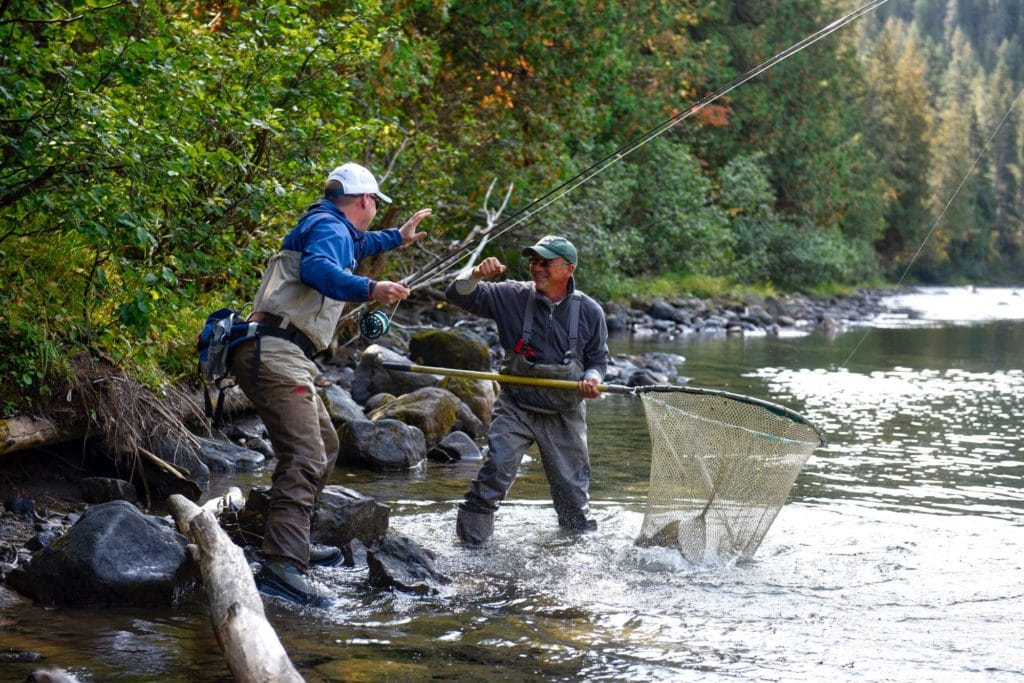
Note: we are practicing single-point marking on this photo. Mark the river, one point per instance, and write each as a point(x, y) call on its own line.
point(899, 555)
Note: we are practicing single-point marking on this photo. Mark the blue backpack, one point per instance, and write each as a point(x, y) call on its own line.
point(223, 331)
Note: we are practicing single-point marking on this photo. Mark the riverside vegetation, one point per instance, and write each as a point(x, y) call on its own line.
point(155, 153)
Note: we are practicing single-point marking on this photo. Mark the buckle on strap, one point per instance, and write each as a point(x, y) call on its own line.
point(270, 326)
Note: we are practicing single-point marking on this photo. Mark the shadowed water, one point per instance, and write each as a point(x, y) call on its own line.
point(898, 556)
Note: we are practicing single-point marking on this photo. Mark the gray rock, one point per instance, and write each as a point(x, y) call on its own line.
point(340, 405)
point(383, 444)
point(432, 409)
point(399, 563)
point(345, 515)
point(370, 378)
point(453, 348)
point(342, 516)
point(226, 456)
point(114, 555)
point(455, 447)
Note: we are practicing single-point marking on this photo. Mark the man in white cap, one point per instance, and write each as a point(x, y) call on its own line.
point(548, 328)
point(301, 298)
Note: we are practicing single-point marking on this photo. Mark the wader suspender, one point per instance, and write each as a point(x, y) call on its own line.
point(574, 323)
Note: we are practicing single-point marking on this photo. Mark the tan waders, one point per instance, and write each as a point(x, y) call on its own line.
point(304, 440)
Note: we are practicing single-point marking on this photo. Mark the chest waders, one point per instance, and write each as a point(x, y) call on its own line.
point(475, 522)
point(519, 361)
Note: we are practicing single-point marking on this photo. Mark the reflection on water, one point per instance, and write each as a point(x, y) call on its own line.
point(945, 440)
point(934, 306)
point(897, 557)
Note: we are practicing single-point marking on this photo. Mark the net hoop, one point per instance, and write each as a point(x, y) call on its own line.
point(780, 410)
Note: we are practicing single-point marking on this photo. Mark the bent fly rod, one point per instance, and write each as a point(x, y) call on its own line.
point(374, 323)
point(441, 263)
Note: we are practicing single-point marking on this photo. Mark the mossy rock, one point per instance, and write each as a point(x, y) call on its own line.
point(450, 348)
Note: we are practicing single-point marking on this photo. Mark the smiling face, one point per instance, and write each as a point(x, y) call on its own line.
point(551, 276)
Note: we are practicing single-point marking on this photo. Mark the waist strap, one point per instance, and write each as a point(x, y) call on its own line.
point(271, 326)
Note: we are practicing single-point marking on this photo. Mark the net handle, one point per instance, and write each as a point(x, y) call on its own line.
point(509, 379)
point(781, 411)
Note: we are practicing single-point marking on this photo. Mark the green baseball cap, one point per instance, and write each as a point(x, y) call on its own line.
point(553, 246)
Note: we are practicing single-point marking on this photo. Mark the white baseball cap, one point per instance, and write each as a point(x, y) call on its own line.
point(356, 179)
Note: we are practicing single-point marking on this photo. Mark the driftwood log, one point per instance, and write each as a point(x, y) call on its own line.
point(246, 638)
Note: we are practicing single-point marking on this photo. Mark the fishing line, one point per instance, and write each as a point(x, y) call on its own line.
point(589, 173)
point(443, 263)
point(942, 214)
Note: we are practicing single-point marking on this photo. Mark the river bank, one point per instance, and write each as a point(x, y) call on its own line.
point(41, 491)
point(895, 418)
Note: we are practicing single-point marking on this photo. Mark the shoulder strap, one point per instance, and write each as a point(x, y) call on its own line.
point(574, 318)
point(531, 310)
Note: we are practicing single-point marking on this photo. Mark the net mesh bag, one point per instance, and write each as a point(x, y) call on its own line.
point(722, 466)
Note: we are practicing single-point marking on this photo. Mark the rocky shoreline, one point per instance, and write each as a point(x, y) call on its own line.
point(388, 420)
point(669, 318)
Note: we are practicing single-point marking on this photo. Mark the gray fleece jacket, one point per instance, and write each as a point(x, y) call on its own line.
point(505, 303)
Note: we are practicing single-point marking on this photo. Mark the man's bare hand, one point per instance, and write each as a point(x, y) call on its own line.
point(389, 293)
point(489, 267)
point(588, 387)
point(408, 231)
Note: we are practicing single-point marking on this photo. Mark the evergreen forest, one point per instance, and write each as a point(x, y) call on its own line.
point(155, 152)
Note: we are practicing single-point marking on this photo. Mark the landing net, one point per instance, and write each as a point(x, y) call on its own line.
point(722, 467)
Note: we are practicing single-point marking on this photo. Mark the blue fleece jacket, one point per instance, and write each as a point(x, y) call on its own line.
point(331, 249)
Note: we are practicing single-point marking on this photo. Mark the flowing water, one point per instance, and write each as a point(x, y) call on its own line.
point(899, 556)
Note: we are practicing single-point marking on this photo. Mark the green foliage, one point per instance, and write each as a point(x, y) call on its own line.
point(154, 154)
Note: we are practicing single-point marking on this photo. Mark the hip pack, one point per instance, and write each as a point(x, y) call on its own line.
point(222, 332)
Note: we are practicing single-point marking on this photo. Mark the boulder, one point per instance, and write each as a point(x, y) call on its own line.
point(184, 457)
point(382, 444)
point(478, 394)
point(345, 515)
point(227, 456)
point(370, 378)
point(466, 421)
point(432, 409)
point(451, 348)
point(399, 563)
point(341, 516)
point(455, 447)
point(340, 405)
point(113, 555)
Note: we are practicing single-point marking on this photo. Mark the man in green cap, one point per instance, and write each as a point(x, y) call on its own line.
point(550, 329)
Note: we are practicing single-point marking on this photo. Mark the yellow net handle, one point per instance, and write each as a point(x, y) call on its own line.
point(510, 379)
point(775, 408)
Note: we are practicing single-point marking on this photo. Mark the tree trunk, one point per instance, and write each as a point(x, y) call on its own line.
point(246, 638)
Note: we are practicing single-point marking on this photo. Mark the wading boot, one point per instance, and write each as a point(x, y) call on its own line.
point(283, 579)
point(324, 555)
point(474, 528)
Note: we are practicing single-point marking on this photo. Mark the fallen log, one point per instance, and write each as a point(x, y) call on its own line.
point(22, 432)
point(246, 638)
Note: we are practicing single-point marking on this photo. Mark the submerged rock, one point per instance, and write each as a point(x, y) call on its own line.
point(399, 563)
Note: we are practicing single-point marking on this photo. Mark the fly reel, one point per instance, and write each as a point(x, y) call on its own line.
point(374, 324)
